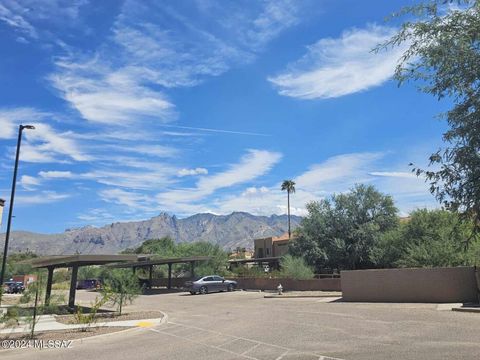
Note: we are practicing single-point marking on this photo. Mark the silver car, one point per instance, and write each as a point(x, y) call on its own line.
point(210, 283)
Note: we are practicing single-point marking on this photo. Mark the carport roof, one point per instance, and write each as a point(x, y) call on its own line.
point(57, 261)
point(151, 262)
point(255, 260)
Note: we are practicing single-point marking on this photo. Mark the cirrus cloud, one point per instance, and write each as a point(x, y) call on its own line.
point(334, 67)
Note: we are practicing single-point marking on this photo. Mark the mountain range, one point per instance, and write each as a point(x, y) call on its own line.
point(228, 231)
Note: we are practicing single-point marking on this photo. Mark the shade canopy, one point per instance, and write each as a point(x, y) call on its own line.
point(58, 261)
point(151, 262)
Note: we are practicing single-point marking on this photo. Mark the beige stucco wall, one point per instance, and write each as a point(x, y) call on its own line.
point(267, 284)
point(442, 285)
point(289, 284)
point(266, 245)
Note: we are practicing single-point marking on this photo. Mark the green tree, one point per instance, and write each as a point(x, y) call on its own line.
point(295, 268)
point(340, 232)
point(217, 263)
point(164, 247)
point(427, 239)
point(443, 56)
point(289, 187)
point(15, 265)
point(122, 286)
point(167, 248)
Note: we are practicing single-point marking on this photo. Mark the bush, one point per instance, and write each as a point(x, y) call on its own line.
point(87, 320)
point(122, 287)
point(295, 268)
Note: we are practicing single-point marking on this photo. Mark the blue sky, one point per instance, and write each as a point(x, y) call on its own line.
point(203, 106)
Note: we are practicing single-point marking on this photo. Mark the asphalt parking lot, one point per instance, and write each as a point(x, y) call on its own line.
point(244, 325)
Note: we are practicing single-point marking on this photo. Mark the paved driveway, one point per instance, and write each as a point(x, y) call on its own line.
point(244, 325)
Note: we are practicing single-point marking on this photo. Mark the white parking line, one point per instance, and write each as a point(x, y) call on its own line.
point(210, 346)
point(233, 338)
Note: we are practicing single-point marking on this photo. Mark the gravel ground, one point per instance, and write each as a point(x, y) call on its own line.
point(108, 317)
point(66, 334)
point(10, 299)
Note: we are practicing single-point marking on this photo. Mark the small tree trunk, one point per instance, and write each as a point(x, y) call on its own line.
point(288, 202)
point(120, 307)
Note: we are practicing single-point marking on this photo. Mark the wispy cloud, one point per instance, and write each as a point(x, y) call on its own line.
point(29, 182)
point(338, 173)
point(44, 144)
point(28, 17)
point(155, 47)
point(341, 66)
point(251, 166)
point(10, 16)
point(192, 172)
point(131, 200)
point(53, 174)
point(394, 174)
point(11, 118)
point(108, 96)
point(220, 131)
point(43, 197)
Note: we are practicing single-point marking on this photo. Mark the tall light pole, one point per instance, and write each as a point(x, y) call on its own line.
point(12, 197)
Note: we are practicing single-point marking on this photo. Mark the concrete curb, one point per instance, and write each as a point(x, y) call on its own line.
point(467, 309)
point(299, 296)
point(138, 328)
point(59, 326)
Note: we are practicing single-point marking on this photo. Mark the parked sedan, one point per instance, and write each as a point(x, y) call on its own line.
point(210, 283)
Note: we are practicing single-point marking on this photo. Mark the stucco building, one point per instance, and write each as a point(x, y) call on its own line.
point(273, 246)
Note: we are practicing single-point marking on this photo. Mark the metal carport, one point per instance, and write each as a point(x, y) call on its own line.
point(74, 262)
point(151, 263)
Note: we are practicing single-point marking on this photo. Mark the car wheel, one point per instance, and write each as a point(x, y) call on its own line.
point(230, 288)
point(192, 292)
point(203, 290)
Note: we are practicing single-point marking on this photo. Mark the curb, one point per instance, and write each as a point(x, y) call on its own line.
point(82, 340)
point(299, 296)
point(86, 339)
point(468, 309)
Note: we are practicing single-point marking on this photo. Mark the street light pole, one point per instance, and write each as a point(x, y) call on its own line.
point(12, 197)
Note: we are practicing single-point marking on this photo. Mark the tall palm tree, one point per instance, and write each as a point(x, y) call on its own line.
point(289, 186)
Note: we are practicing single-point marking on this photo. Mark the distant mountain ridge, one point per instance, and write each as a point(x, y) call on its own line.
point(229, 231)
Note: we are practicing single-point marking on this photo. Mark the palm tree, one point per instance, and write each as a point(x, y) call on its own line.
point(288, 185)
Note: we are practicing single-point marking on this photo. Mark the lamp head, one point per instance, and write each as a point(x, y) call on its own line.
point(29, 127)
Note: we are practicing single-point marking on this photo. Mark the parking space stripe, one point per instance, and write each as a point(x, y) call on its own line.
point(230, 338)
point(210, 346)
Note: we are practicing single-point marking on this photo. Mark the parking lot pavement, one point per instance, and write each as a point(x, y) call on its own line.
point(244, 325)
point(232, 345)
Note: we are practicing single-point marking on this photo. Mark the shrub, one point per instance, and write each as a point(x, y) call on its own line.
point(123, 287)
point(295, 268)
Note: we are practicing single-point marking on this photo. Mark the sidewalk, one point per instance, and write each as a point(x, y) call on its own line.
point(48, 323)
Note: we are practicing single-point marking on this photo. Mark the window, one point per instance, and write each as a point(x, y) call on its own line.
point(268, 251)
point(217, 278)
point(209, 278)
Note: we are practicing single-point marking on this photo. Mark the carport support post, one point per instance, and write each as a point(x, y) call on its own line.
point(73, 287)
point(150, 276)
point(169, 276)
point(49, 285)
point(192, 269)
